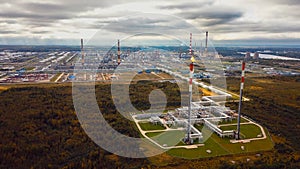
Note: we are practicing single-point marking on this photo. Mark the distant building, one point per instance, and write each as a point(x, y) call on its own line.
point(247, 55)
point(256, 55)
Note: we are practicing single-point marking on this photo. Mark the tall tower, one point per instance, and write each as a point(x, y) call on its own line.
point(119, 53)
point(190, 49)
point(82, 52)
point(240, 102)
point(201, 51)
point(206, 39)
point(188, 139)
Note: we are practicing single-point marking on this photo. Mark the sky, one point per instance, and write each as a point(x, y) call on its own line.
point(57, 22)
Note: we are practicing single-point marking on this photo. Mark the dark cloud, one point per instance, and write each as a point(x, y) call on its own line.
point(287, 2)
point(22, 40)
point(70, 6)
point(256, 27)
point(206, 11)
point(258, 41)
point(134, 25)
point(46, 13)
point(212, 17)
point(150, 23)
point(37, 17)
point(9, 21)
point(7, 32)
point(43, 7)
point(29, 15)
point(40, 32)
point(187, 6)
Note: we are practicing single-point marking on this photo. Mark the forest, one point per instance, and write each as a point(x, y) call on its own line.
point(39, 127)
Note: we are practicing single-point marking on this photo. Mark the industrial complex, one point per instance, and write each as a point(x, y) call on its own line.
point(198, 119)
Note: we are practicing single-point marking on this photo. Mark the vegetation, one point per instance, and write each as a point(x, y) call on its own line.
point(53, 79)
point(153, 134)
point(247, 130)
point(233, 121)
point(149, 126)
point(274, 103)
point(29, 68)
point(39, 129)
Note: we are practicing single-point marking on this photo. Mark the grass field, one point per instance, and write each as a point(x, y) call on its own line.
point(218, 146)
point(234, 121)
point(198, 126)
point(146, 76)
point(247, 130)
point(149, 126)
point(222, 146)
point(153, 134)
point(170, 134)
point(168, 138)
point(3, 88)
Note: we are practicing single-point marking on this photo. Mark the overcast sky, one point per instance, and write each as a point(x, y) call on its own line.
point(65, 22)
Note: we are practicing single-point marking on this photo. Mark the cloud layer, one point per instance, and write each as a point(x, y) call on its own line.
point(73, 19)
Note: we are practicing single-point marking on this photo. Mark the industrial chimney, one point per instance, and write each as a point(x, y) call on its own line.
point(188, 138)
point(206, 39)
point(119, 53)
point(240, 102)
point(82, 53)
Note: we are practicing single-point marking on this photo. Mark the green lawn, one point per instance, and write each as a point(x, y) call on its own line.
point(221, 146)
point(200, 152)
point(234, 121)
point(153, 134)
point(247, 130)
point(168, 138)
point(149, 126)
point(199, 126)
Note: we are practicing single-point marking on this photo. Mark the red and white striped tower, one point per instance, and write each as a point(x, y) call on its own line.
point(206, 41)
point(119, 53)
point(240, 102)
point(188, 140)
point(190, 50)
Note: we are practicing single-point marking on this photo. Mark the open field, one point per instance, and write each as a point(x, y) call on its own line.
point(153, 134)
point(247, 130)
point(168, 138)
point(41, 130)
point(147, 76)
point(222, 146)
point(3, 88)
point(233, 121)
point(213, 143)
point(149, 126)
point(275, 105)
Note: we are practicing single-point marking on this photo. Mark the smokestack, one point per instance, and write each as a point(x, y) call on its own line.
point(82, 53)
point(190, 51)
point(240, 102)
point(119, 53)
point(201, 51)
point(188, 139)
point(206, 42)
